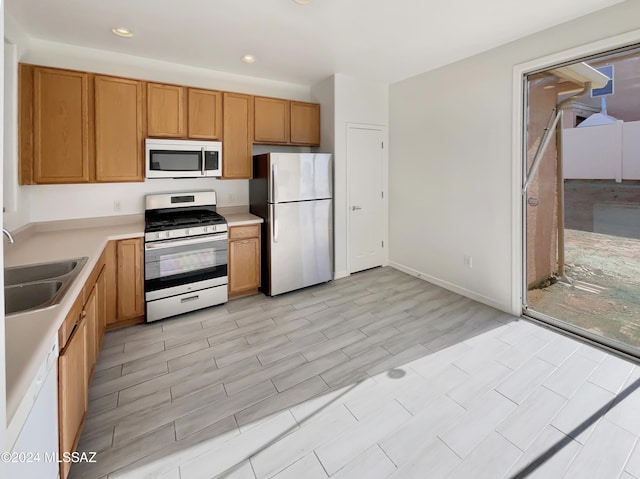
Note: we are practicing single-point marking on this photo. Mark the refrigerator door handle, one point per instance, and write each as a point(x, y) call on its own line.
point(274, 223)
point(274, 183)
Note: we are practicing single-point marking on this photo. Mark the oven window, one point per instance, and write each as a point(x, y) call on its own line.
point(172, 259)
point(167, 160)
point(179, 263)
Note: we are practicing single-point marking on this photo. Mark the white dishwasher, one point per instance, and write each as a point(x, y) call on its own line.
point(33, 441)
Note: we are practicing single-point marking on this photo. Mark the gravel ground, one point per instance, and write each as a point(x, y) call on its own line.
point(605, 294)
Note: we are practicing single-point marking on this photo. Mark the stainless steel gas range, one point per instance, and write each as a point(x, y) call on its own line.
point(185, 254)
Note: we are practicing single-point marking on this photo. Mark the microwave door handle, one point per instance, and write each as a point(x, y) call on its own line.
point(202, 159)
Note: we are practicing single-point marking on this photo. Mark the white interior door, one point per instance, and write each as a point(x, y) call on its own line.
point(366, 219)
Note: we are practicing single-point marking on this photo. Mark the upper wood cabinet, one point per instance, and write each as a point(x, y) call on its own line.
point(166, 111)
point(205, 114)
point(305, 123)
point(54, 126)
point(237, 136)
point(119, 129)
point(77, 127)
point(271, 120)
point(287, 122)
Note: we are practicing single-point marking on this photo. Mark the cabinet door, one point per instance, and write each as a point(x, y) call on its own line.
point(72, 393)
point(237, 136)
point(305, 123)
point(60, 126)
point(101, 289)
point(90, 313)
point(244, 265)
point(111, 272)
point(119, 129)
point(271, 120)
point(205, 114)
point(130, 280)
point(165, 111)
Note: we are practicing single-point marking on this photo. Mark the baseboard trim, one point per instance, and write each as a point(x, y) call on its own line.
point(340, 275)
point(452, 287)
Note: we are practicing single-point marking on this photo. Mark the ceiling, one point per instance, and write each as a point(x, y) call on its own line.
point(384, 40)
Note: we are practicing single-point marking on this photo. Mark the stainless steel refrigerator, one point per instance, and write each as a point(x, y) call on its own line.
point(293, 193)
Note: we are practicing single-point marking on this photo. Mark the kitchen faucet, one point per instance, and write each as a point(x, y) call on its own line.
point(8, 234)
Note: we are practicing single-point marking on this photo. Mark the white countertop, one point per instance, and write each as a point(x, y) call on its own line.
point(239, 216)
point(29, 335)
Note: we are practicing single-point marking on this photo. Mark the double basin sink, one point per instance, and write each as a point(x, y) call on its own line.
point(38, 286)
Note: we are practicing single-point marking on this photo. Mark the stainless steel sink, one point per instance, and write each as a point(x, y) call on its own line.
point(30, 296)
point(38, 286)
point(40, 272)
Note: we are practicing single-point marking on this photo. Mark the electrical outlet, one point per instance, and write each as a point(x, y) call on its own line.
point(468, 261)
point(231, 198)
point(117, 205)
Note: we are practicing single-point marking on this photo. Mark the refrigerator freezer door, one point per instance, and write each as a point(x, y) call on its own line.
point(299, 177)
point(300, 245)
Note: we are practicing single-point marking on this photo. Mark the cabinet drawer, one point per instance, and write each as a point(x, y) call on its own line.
point(240, 232)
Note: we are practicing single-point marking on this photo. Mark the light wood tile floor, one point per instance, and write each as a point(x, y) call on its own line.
point(379, 375)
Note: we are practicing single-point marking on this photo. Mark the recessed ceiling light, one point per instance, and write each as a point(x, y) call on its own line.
point(303, 2)
point(248, 58)
point(122, 32)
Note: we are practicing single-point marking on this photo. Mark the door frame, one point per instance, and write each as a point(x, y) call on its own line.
point(519, 102)
point(385, 189)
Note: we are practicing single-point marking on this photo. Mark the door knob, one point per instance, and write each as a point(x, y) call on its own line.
point(354, 208)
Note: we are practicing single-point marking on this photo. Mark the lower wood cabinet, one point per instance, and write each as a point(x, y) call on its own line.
point(114, 287)
point(244, 260)
point(130, 287)
point(72, 391)
point(90, 317)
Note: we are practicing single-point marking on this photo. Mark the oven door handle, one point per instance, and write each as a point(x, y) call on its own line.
point(185, 242)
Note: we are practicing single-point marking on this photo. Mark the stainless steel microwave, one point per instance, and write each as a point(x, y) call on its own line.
point(183, 158)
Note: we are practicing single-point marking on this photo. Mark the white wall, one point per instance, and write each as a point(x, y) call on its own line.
point(451, 163)
point(16, 199)
point(324, 93)
point(59, 202)
point(53, 202)
point(3, 375)
point(345, 99)
point(356, 101)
